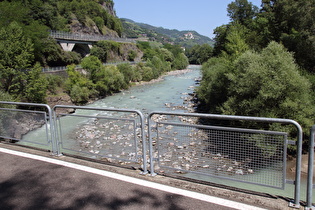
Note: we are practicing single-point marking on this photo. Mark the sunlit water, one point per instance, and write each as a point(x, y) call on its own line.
point(153, 97)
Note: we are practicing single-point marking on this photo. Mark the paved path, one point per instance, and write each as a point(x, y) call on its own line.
point(35, 182)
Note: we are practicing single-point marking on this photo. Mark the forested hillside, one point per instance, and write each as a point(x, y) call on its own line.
point(185, 39)
point(35, 18)
point(25, 47)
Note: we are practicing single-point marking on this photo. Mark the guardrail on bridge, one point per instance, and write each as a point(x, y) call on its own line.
point(86, 37)
point(178, 142)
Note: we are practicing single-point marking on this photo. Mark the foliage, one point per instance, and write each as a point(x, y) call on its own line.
point(266, 84)
point(128, 72)
point(80, 95)
point(89, 10)
point(180, 62)
point(260, 84)
point(16, 56)
point(53, 82)
point(53, 55)
point(36, 87)
point(199, 54)
point(291, 22)
point(93, 65)
point(109, 80)
point(132, 55)
point(242, 11)
point(164, 59)
point(102, 49)
point(79, 87)
point(147, 73)
point(36, 18)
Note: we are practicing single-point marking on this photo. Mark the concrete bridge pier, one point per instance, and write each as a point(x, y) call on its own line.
point(81, 47)
point(67, 46)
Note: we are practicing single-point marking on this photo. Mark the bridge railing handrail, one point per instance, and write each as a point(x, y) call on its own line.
point(63, 68)
point(149, 131)
point(86, 37)
point(154, 139)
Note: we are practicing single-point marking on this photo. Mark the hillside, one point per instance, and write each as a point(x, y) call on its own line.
point(132, 29)
point(35, 18)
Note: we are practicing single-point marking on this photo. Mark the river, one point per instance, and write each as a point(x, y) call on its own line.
point(169, 94)
point(165, 94)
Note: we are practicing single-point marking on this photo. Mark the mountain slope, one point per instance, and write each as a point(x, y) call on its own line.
point(187, 38)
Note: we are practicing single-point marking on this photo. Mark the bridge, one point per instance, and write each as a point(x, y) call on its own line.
point(82, 43)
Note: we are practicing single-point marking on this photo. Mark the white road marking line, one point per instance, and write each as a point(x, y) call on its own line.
point(145, 183)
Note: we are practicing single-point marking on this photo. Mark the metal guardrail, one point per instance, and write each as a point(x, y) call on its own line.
point(87, 37)
point(63, 68)
point(15, 123)
point(113, 135)
point(178, 144)
point(177, 141)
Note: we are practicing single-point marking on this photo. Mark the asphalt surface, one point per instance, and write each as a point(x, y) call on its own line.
point(28, 183)
point(33, 184)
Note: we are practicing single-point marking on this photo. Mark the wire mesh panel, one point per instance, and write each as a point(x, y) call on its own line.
point(186, 145)
point(222, 152)
point(109, 135)
point(17, 125)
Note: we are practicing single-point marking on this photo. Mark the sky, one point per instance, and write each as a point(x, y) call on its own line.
point(202, 16)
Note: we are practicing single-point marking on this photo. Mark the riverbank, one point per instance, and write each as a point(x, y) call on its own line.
point(62, 98)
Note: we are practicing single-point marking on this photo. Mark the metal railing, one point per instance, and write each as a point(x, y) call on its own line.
point(19, 119)
point(112, 135)
point(87, 37)
point(63, 68)
point(179, 144)
point(227, 147)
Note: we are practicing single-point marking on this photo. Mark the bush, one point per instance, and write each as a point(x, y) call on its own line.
point(36, 87)
point(180, 62)
point(77, 82)
point(132, 55)
point(128, 71)
point(53, 82)
point(109, 80)
point(79, 95)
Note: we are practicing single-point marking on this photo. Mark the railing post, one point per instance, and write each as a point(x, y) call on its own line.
point(309, 194)
point(297, 191)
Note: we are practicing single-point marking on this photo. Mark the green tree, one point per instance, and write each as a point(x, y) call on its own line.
point(109, 80)
point(129, 73)
point(266, 84)
point(180, 62)
point(236, 40)
point(213, 89)
point(93, 65)
point(166, 55)
point(199, 54)
point(16, 57)
point(36, 87)
point(79, 87)
point(242, 11)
